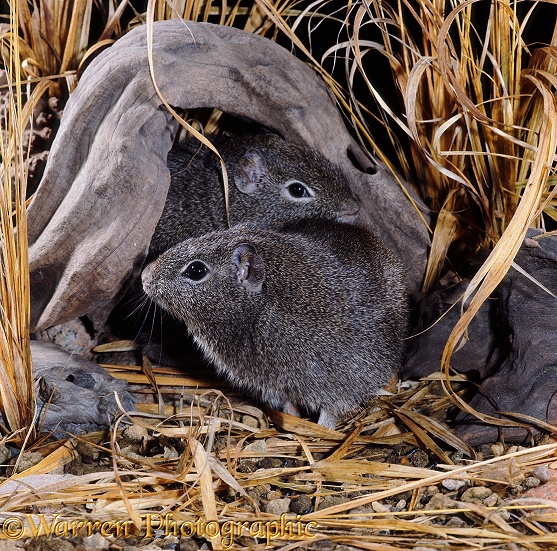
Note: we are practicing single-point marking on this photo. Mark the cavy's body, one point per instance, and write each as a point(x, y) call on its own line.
point(271, 183)
point(312, 317)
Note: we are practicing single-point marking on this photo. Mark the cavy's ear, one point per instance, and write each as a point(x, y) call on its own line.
point(251, 172)
point(250, 268)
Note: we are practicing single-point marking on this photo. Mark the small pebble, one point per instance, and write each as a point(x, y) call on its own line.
point(406, 496)
point(453, 484)
point(301, 505)
point(436, 502)
point(498, 449)
point(169, 542)
point(247, 466)
point(250, 421)
point(135, 433)
point(273, 494)
point(419, 459)
point(456, 522)
point(531, 482)
point(361, 514)
point(484, 452)
point(476, 492)
point(277, 506)
point(259, 446)
point(5, 454)
point(492, 501)
point(170, 453)
point(257, 491)
point(440, 501)
point(269, 463)
point(401, 505)
point(96, 541)
point(330, 501)
point(27, 460)
point(89, 453)
point(188, 544)
point(378, 507)
point(457, 457)
point(504, 514)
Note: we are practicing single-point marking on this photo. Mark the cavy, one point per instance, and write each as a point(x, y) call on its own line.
point(310, 318)
point(272, 183)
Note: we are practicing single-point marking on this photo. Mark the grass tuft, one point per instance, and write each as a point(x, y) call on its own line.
point(16, 380)
point(471, 108)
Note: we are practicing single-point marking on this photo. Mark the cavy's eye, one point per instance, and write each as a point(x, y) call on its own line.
point(196, 270)
point(298, 190)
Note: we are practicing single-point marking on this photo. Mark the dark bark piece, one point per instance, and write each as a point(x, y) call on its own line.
point(74, 394)
point(106, 180)
point(512, 346)
point(424, 350)
point(526, 380)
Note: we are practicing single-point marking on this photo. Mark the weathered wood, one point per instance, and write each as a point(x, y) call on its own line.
point(74, 394)
point(106, 179)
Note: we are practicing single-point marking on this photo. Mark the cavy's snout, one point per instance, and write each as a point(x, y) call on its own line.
point(147, 279)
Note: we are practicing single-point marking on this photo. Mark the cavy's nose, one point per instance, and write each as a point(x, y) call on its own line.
point(148, 279)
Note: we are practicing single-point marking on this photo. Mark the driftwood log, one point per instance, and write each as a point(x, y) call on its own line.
point(106, 179)
point(74, 395)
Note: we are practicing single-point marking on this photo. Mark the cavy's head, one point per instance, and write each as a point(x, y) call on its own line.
point(207, 276)
point(293, 182)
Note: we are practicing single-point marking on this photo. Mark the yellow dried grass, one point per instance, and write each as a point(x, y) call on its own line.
point(56, 36)
point(16, 381)
point(472, 136)
point(192, 485)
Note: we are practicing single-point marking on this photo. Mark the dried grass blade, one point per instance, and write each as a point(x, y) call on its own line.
point(147, 370)
point(445, 230)
point(150, 20)
point(113, 22)
point(343, 449)
point(78, 34)
point(203, 467)
point(219, 469)
point(423, 436)
point(133, 514)
point(16, 380)
point(297, 425)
